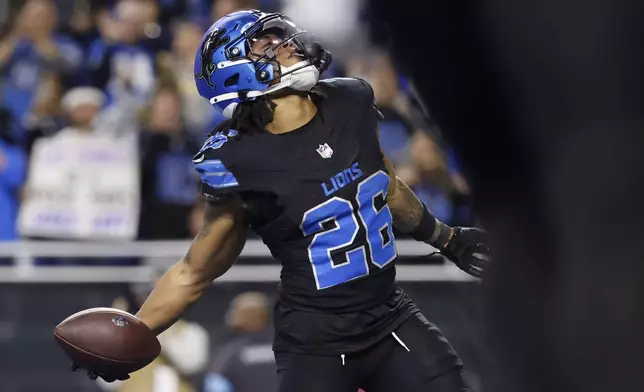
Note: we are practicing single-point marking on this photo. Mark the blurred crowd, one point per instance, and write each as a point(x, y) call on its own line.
point(99, 118)
point(187, 363)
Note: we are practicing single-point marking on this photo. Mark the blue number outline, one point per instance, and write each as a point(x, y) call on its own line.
point(318, 226)
point(384, 210)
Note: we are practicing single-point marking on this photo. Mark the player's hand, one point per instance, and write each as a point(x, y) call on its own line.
point(468, 250)
point(105, 377)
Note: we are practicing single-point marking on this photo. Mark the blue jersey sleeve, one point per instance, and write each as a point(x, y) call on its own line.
point(217, 180)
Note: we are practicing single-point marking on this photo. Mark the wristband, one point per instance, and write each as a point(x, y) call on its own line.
point(431, 230)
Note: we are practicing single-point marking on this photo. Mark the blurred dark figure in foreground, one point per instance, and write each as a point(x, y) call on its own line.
point(246, 363)
point(545, 101)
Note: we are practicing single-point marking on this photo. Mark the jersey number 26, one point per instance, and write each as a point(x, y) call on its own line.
point(345, 231)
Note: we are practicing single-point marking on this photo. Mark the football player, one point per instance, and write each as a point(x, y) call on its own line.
point(299, 162)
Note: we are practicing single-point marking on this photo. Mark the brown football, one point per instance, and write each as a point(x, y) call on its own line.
point(107, 341)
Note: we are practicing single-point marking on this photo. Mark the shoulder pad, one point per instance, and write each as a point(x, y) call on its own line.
point(210, 166)
point(353, 88)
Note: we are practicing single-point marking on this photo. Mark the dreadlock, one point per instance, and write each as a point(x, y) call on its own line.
point(253, 116)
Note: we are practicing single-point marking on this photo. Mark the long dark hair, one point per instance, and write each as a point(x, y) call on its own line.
point(253, 117)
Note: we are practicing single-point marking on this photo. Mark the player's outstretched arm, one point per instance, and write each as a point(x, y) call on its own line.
point(466, 247)
point(212, 252)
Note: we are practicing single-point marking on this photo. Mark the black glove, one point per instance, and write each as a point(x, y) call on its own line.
point(468, 250)
point(105, 377)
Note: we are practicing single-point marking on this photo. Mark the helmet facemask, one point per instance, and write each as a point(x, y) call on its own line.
point(265, 38)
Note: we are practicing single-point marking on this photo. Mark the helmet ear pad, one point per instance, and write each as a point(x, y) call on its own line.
point(319, 57)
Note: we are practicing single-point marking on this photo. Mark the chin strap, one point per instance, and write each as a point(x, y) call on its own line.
point(243, 95)
point(230, 109)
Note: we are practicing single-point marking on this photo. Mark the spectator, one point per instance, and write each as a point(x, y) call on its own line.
point(224, 7)
point(169, 190)
point(398, 123)
point(184, 351)
point(171, 10)
point(12, 175)
point(418, 159)
point(429, 176)
point(199, 116)
point(158, 36)
point(119, 61)
point(80, 24)
point(45, 117)
point(30, 49)
point(250, 353)
point(198, 11)
point(202, 11)
point(83, 184)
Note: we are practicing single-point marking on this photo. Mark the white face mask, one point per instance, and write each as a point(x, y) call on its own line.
point(304, 79)
point(301, 80)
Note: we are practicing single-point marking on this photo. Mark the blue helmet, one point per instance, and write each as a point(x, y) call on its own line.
point(226, 75)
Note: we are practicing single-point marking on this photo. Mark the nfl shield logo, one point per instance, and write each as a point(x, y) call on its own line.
point(325, 151)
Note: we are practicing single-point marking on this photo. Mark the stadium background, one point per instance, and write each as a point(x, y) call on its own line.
point(122, 70)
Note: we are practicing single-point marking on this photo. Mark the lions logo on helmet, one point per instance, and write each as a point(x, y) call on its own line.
point(211, 43)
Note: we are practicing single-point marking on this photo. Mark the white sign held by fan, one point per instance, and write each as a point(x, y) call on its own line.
point(82, 186)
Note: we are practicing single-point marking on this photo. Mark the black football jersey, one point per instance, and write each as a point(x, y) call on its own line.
point(317, 198)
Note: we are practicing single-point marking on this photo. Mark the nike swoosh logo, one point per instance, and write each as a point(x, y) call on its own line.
point(199, 159)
